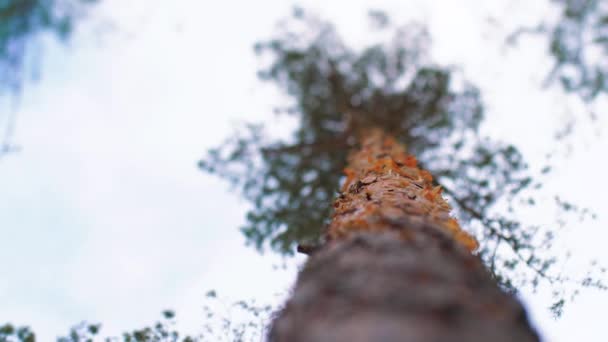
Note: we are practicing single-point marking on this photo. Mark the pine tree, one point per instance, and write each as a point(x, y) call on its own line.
point(395, 266)
point(388, 260)
point(385, 246)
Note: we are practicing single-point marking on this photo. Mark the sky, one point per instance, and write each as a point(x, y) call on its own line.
point(105, 217)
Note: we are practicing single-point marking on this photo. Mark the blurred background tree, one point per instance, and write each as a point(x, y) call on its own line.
point(222, 321)
point(577, 40)
point(23, 24)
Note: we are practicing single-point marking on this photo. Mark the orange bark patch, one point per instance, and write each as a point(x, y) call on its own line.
point(410, 161)
point(389, 142)
point(426, 176)
point(452, 226)
point(384, 164)
point(350, 176)
point(384, 189)
point(433, 194)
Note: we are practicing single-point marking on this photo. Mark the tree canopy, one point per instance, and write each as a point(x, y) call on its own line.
point(394, 85)
point(579, 43)
point(577, 40)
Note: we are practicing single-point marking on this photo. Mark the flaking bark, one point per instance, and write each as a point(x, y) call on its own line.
point(395, 266)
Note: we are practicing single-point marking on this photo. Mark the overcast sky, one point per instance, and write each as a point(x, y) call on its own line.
point(104, 215)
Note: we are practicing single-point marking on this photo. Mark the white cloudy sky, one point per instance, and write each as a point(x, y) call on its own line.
point(105, 217)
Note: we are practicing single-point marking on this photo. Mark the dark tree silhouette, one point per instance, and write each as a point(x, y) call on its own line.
point(22, 25)
point(22, 22)
point(161, 331)
point(222, 321)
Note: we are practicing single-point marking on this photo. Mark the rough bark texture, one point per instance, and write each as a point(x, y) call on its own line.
point(384, 190)
point(396, 266)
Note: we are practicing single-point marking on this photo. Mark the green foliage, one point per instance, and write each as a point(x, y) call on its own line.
point(335, 88)
point(222, 322)
point(10, 333)
point(392, 85)
point(234, 321)
point(82, 332)
point(578, 42)
point(21, 24)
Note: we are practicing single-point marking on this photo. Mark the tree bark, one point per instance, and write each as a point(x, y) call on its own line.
point(395, 266)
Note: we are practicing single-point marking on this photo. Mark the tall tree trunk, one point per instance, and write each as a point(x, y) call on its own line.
point(395, 266)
